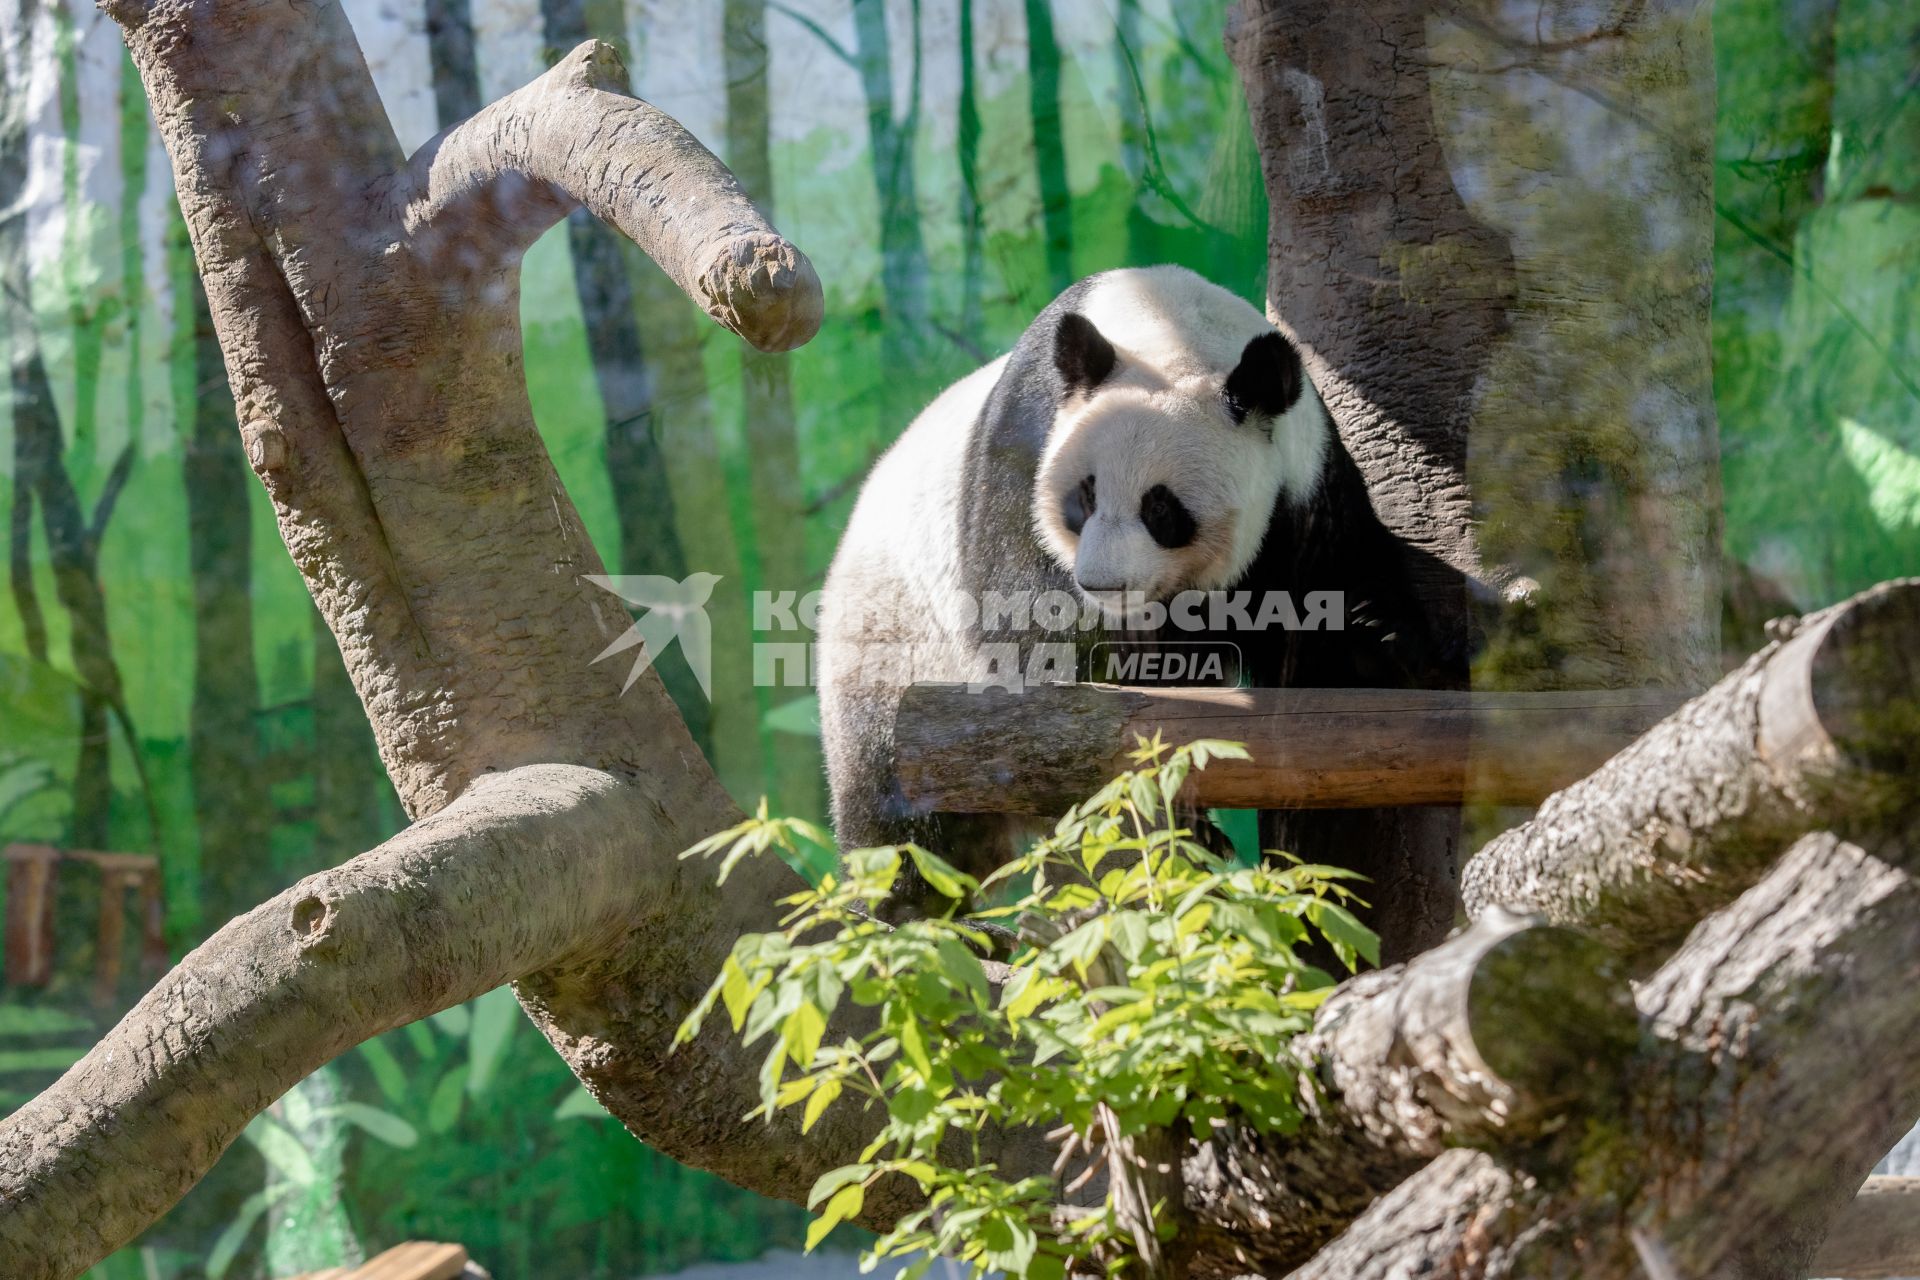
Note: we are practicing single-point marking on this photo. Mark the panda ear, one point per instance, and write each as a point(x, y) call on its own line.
point(1267, 380)
point(1082, 356)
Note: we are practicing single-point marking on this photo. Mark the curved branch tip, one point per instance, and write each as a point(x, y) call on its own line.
point(764, 289)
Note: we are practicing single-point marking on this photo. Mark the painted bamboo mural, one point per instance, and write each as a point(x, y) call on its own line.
point(167, 691)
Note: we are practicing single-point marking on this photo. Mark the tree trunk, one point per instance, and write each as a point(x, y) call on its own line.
point(1469, 388)
point(351, 286)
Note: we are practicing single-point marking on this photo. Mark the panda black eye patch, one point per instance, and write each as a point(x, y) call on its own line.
point(1078, 507)
point(1166, 518)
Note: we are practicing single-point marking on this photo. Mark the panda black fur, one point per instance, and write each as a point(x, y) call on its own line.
point(1150, 432)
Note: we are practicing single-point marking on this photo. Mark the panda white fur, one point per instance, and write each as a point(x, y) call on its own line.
point(1149, 433)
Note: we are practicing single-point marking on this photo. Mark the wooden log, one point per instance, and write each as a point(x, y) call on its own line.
point(1041, 749)
point(1821, 729)
point(1487, 1039)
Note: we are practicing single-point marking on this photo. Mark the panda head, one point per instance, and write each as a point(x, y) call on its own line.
point(1161, 475)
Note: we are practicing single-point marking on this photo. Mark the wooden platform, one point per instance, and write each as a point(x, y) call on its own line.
point(416, 1260)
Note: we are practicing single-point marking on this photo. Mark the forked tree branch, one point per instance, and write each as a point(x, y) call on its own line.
point(377, 376)
point(495, 182)
point(391, 936)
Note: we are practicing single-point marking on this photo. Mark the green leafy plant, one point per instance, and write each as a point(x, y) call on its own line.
point(1152, 998)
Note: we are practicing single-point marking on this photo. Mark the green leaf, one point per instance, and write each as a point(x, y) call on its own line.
point(946, 880)
point(495, 1015)
point(384, 1125)
point(280, 1149)
point(387, 1071)
point(914, 1049)
point(822, 1098)
point(580, 1105)
point(802, 1032)
point(227, 1245)
point(844, 1204)
point(962, 969)
point(1082, 945)
point(1128, 931)
point(455, 1021)
point(1028, 990)
point(1047, 1266)
point(443, 1108)
point(1344, 931)
point(834, 1179)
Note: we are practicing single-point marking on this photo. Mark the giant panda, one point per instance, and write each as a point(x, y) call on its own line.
point(1149, 433)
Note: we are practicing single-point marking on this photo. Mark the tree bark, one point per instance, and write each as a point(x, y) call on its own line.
point(1397, 365)
point(1877, 1236)
point(1815, 730)
point(355, 290)
point(1472, 352)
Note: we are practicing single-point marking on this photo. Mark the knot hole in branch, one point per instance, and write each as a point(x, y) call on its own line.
point(312, 920)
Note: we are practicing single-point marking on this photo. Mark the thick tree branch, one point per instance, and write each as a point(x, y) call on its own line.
point(1877, 1235)
point(376, 365)
point(341, 956)
point(585, 861)
point(1040, 749)
point(1778, 1062)
point(298, 979)
point(1464, 1215)
point(1820, 729)
point(574, 136)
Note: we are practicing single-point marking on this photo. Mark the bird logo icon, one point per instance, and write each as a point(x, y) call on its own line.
point(673, 610)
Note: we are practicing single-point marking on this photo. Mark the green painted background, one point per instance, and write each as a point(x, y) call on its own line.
point(948, 166)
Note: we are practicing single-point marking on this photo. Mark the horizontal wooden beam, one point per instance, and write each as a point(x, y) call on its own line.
point(1039, 750)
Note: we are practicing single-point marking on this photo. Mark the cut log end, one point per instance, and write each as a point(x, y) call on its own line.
point(764, 289)
point(1551, 1013)
point(1865, 679)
